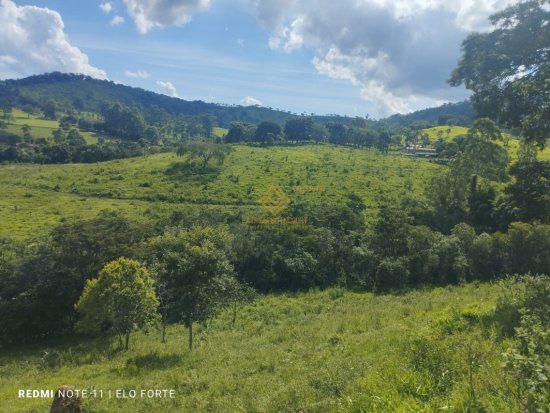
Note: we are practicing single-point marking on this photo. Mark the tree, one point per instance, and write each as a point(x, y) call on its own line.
point(50, 109)
point(390, 232)
point(58, 135)
point(122, 297)
point(337, 132)
point(481, 157)
point(7, 100)
point(195, 272)
point(319, 133)
point(74, 138)
point(240, 132)
point(267, 132)
point(208, 123)
point(508, 69)
point(123, 122)
point(204, 152)
point(528, 196)
point(238, 293)
point(51, 273)
point(384, 141)
point(26, 129)
point(151, 135)
point(452, 192)
point(298, 129)
point(486, 129)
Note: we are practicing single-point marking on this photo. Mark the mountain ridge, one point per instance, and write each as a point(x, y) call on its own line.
point(88, 94)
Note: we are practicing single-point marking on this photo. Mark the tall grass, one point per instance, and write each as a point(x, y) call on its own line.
point(323, 351)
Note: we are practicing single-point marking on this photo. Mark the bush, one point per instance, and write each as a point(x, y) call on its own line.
point(392, 273)
point(527, 362)
point(430, 356)
point(525, 309)
point(522, 293)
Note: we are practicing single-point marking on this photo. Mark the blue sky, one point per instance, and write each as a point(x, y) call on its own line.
point(352, 57)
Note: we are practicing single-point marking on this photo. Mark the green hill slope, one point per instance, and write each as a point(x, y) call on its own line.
point(317, 352)
point(448, 133)
point(37, 196)
point(85, 93)
point(39, 127)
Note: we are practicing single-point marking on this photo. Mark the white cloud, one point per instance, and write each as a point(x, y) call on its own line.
point(396, 52)
point(140, 74)
point(161, 13)
point(106, 7)
point(117, 21)
point(250, 101)
point(32, 41)
point(169, 88)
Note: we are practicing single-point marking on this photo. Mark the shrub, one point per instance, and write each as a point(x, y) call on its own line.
point(527, 363)
point(392, 273)
point(531, 293)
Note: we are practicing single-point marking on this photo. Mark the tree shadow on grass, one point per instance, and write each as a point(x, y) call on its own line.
point(153, 361)
point(191, 172)
point(70, 350)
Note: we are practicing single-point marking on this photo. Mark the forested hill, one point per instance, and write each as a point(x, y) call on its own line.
point(87, 94)
point(461, 113)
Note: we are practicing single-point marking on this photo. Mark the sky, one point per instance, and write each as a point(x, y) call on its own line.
point(349, 57)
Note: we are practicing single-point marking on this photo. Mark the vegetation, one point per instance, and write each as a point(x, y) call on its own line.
point(507, 78)
point(194, 273)
point(39, 196)
point(322, 351)
point(368, 278)
point(120, 299)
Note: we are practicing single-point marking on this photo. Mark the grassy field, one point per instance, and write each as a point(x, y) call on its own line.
point(220, 132)
point(450, 132)
point(328, 351)
point(37, 196)
point(446, 132)
point(40, 127)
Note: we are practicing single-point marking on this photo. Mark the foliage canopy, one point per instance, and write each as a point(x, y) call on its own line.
point(508, 69)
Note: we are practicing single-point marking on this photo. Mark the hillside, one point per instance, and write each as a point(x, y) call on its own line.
point(39, 127)
point(38, 196)
point(461, 113)
point(88, 94)
point(330, 351)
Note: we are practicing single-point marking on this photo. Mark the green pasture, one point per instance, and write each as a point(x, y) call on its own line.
point(316, 174)
point(220, 132)
point(446, 132)
point(450, 132)
point(327, 351)
point(40, 127)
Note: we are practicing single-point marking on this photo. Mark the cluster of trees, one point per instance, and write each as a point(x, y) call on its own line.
point(391, 254)
point(176, 272)
point(358, 133)
point(109, 275)
point(67, 147)
point(190, 271)
point(132, 133)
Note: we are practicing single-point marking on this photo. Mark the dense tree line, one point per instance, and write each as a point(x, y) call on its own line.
point(297, 130)
point(41, 281)
point(67, 148)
